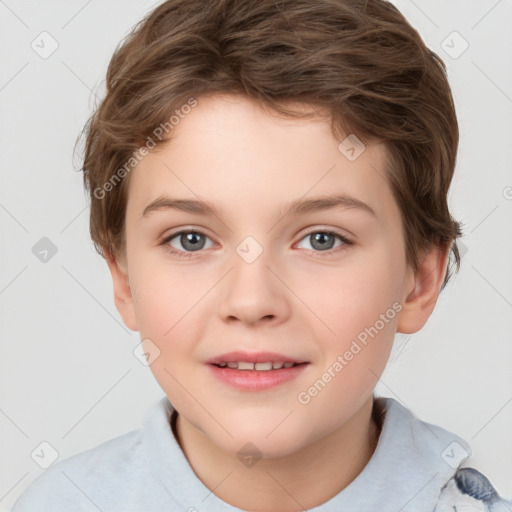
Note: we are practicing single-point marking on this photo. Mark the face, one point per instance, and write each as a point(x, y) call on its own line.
point(318, 286)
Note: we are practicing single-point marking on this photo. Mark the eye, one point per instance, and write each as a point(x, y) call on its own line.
point(186, 242)
point(191, 241)
point(323, 241)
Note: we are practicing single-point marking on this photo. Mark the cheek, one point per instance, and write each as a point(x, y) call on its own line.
point(168, 309)
point(362, 315)
point(352, 298)
point(359, 312)
point(163, 298)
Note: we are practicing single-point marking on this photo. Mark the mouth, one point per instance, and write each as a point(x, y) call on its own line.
point(256, 371)
point(259, 367)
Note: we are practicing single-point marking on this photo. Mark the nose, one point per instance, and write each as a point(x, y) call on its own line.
point(253, 293)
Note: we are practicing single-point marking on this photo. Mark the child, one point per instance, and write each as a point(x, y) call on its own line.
point(266, 129)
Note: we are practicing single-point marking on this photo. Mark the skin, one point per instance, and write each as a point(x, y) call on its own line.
point(293, 299)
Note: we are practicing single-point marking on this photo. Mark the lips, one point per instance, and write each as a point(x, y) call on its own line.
point(256, 371)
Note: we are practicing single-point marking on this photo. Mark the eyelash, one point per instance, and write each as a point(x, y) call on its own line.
point(188, 255)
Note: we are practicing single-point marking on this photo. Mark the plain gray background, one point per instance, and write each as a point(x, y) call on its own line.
point(68, 373)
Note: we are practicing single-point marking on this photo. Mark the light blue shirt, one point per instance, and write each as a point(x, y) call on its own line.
point(414, 468)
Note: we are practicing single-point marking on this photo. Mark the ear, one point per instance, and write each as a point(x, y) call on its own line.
point(422, 290)
point(122, 292)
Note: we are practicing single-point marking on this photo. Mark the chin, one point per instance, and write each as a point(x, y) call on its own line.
point(264, 436)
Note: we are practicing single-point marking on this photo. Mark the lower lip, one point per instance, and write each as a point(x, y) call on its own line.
point(256, 380)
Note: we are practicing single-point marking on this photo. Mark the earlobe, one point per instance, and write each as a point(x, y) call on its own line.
point(123, 298)
point(419, 302)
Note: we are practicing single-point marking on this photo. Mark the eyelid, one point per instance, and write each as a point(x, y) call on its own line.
point(327, 229)
point(169, 236)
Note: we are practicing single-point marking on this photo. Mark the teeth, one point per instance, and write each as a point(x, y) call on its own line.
point(262, 366)
point(244, 365)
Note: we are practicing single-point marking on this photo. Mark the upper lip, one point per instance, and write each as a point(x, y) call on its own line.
point(252, 357)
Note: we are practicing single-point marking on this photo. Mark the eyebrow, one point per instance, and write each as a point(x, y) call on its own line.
point(297, 207)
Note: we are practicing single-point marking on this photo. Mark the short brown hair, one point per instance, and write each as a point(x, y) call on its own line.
point(358, 59)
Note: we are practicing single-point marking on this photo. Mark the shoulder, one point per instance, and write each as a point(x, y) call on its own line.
point(80, 479)
point(470, 490)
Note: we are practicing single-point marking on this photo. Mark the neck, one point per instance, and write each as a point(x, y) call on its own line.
point(301, 480)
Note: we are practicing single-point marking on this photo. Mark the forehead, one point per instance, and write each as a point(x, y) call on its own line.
point(231, 153)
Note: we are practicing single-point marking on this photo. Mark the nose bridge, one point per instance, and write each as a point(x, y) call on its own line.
point(252, 291)
point(250, 250)
point(251, 275)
